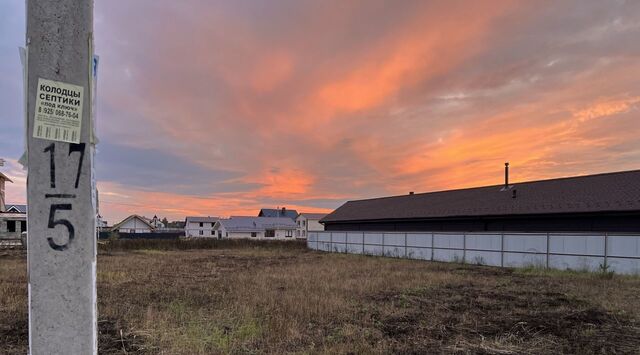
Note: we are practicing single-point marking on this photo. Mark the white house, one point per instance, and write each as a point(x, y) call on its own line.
point(156, 223)
point(200, 226)
point(3, 178)
point(133, 224)
point(264, 228)
point(308, 222)
point(13, 218)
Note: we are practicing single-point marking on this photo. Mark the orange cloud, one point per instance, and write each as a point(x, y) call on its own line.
point(606, 108)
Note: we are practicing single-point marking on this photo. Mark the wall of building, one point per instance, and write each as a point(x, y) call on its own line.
point(610, 222)
point(18, 221)
point(305, 225)
point(278, 235)
point(134, 225)
point(193, 229)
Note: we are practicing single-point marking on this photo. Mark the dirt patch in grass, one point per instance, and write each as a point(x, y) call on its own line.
point(471, 318)
point(112, 338)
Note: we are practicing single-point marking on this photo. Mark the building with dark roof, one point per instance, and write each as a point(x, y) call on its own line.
point(607, 202)
point(278, 212)
point(16, 208)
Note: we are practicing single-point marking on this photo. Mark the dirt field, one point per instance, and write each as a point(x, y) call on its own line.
point(276, 299)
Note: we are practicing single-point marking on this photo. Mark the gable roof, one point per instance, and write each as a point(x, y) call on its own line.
point(16, 208)
point(609, 192)
point(256, 224)
point(313, 215)
point(144, 220)
point(201, 219)
point(274, 212)
point(4, 177)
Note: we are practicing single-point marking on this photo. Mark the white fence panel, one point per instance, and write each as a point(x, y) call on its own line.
point(449, 255)
point(422, 240)
point(493, 258)
point(394, 239)
point(370, 249)
point(354, 243)
point(577, 251)
point(624, 265)
point(373, 238)
point(576, 244)
point(575, 262)
point(524, 260)
point(419, 253)
point(324, 246)
point(338, 237)
point(623, 245)
point(484, 241)
point(448, 241)
point(355, 238)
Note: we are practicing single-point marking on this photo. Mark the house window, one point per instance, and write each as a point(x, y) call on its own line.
point(201, 224)
point(201, 232)
point(254, 234)
point(226, 234)
point(219, 234)
point(289, 233)
point(23, 226)
point(132, 230)
point(11, 226)
point(213, 232)
point(304, 223)
point(270, 233)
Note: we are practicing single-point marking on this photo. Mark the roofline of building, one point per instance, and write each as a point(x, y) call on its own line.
point(488, 216)
point(495, 186)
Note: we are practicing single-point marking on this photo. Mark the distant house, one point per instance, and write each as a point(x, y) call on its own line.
point(13, 218)
point(16, 208)
point(278, 212)
point(101, 222)
point(200, 226)
point(264, 228)
point(308, 222)
point(3, 179)
point(156, 223)
point(133, 224)
point(607, 202)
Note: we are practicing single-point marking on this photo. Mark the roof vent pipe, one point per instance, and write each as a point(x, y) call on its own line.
point(506, 175)
point(410, 192)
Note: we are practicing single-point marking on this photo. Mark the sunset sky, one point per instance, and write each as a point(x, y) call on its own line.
point(224, 107)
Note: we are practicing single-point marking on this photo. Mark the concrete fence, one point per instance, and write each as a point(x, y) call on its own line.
point(577, 251)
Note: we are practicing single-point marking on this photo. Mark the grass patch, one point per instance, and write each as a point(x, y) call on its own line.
point(272, 298)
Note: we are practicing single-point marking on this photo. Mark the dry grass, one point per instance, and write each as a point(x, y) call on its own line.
point(277, 299)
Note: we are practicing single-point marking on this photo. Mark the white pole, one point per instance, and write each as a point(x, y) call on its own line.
point(61, 186)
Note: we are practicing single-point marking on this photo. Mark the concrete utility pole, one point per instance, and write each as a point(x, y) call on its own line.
point(61, 186)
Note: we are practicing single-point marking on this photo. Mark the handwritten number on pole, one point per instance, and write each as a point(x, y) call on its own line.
point(52, 163)
point(54, 222)
point(77, 148)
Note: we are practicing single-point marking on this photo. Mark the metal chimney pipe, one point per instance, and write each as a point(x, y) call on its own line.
point(506, 175)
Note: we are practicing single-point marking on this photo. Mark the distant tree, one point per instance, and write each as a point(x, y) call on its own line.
point(176, 224)
point(165, 222)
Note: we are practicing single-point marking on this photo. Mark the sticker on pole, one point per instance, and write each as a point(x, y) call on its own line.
point(58, 113)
